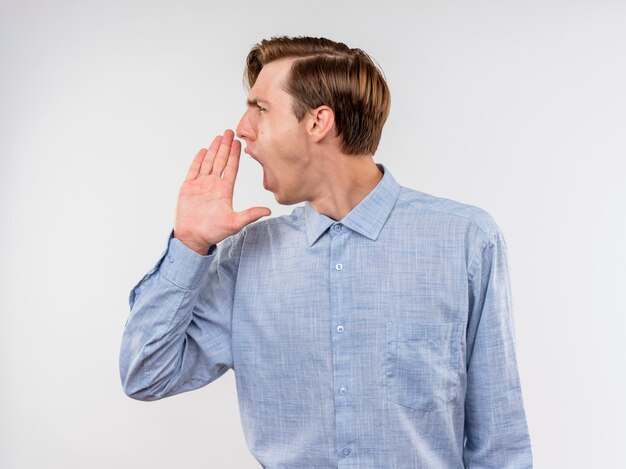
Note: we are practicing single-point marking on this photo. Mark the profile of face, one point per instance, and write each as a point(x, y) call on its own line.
point(275, 138)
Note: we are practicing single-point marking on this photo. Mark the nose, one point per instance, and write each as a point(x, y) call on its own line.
point(245, 129)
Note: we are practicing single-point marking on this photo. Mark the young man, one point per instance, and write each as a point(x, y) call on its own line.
point(371, 327)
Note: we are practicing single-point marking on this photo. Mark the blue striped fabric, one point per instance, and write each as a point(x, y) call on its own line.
point(382, 340)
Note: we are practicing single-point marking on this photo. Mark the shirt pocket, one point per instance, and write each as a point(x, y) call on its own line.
point(423, 364)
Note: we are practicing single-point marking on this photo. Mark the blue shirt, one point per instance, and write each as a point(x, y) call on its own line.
point(383, 340)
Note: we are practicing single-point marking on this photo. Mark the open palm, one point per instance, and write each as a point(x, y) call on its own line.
point(204, 212)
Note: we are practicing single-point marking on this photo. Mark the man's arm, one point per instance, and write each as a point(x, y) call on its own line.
point(495, 422)
point(177, 337)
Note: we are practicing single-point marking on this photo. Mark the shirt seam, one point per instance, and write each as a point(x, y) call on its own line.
point(477, 252)
point(242, 235)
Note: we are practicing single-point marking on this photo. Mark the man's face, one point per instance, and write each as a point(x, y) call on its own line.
point(274, 137)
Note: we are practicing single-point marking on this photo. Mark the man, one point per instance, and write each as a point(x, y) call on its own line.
point(371, 327)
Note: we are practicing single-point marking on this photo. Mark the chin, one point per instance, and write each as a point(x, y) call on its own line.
point(280, 200)
point(284, 200)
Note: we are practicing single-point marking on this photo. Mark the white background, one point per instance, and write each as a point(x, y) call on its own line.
point(517, 107)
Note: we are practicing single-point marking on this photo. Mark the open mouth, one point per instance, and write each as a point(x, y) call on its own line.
point(254, 157)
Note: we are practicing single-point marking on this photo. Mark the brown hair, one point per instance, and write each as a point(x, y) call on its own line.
point(330, 73)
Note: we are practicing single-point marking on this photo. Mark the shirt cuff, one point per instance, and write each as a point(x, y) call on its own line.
point(183, 266)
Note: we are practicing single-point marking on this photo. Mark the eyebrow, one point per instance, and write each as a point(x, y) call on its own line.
point(255, 101)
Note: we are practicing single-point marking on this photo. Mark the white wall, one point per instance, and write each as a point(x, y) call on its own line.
point(517, 107)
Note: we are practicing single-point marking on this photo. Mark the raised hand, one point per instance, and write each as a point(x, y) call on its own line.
point(204, 212)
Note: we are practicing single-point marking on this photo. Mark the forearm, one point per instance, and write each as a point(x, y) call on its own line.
point(159, 353)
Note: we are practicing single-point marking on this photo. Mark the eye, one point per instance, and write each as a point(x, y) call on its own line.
point(261, 109)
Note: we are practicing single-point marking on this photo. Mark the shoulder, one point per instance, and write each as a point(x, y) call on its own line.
point(447, 211)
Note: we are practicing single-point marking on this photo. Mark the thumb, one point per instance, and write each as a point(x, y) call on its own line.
point(245, 217)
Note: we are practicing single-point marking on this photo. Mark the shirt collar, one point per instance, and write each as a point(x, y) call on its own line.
point(367, 218)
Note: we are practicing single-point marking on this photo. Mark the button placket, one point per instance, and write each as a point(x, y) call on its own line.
point(345, 411)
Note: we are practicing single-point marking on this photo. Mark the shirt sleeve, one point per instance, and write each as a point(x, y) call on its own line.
point(178, 334)
point(495, 423)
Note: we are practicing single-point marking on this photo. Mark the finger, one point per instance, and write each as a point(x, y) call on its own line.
point(250, 215)
point(230, 172)
point(222, 154)
point(194, 169)
point(207, 163)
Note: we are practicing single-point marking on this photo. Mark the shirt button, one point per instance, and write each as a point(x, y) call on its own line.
point(339, 266)
point(337, 228)
point(340, 329)
point(346, 451)
point(343, 391)
point(170, 258)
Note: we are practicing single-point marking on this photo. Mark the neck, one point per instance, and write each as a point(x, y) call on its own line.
point(343, 182)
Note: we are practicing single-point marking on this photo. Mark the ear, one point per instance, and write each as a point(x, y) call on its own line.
point(321, 121)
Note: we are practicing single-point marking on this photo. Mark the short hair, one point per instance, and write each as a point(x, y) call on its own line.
point(330, 73)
